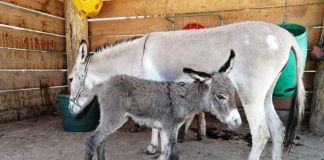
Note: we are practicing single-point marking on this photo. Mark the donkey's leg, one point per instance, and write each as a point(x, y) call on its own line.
point(256, 117)
point(252, 98)
point(201, 126)
point(275, 125)
point(151, 149)
point(104, 129)
point(183, 131)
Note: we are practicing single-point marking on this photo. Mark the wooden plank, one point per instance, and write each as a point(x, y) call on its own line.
point(30, 40)
point(308, 80)
point(310, 64)
point(98, 41)
point(119, 8)
point(76, 29)
point(317, 107)
point(9, 115)
point(53, 7)
point(297, 14)
point(132, 26)
point(31, 79)
point(29, 98)
point(17, 59)
point(307, 15)
point(284, 103)
point(314, 36)
point(30, 20)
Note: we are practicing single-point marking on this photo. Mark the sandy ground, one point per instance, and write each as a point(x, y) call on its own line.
point(44, 139)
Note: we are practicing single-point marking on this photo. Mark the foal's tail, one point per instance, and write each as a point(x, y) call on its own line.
point(297, 105)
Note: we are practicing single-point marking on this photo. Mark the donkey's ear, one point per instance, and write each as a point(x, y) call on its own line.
point(83, 51)
point(200, 76)
point(227, 67)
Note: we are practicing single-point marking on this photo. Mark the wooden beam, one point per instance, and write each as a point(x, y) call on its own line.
point(31, 79)
point(17, 105)
point(119, 8)
point(30, 20)
point(76, 28)
point(30, 40)
point(53, 7)
point(19, 59)
point(317, 108)
point(297, 14)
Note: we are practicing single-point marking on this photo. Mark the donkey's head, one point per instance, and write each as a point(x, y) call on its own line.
point(218, 93)
point(80, 96)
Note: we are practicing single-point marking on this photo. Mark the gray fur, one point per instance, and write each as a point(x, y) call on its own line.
point(160, 105)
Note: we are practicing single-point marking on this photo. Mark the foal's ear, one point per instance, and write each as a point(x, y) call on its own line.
point(83, 51)
point(200, 76)
point(227, 67)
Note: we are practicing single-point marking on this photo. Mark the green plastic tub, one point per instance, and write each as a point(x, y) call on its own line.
point(287, 81)
point(83, 123)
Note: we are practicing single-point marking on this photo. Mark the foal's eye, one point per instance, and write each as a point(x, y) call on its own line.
point(221, 97)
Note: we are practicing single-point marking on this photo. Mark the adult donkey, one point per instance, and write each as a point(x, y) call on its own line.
point(261, 49)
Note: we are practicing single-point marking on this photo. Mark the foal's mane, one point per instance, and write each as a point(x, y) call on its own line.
point(108, 46)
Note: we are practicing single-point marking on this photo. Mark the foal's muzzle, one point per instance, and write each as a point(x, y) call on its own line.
point(234, 119)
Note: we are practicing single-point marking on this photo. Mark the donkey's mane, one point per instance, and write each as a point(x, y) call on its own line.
point(105, 47)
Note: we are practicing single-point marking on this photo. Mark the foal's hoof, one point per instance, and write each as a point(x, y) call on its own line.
point(135, 128)
point(180, 140)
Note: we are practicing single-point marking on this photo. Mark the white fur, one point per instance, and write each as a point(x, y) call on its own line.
point(234, 117)
point(150, 70)
point(272, 43)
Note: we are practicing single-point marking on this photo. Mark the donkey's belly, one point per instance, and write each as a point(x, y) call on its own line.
point(149, 122)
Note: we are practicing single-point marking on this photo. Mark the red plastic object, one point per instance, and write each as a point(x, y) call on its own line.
point(193, 25)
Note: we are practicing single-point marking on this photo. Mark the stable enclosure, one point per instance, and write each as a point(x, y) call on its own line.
point(35, 58)
point(39, 42)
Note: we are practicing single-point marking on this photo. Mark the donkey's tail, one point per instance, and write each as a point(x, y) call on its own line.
point(298, 102)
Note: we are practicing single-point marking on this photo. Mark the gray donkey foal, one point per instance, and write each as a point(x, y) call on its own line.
point(162, 105)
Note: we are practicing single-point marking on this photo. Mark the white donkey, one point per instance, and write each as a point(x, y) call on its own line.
point(261, 49)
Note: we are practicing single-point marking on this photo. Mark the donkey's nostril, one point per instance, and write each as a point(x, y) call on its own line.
point(70, 79)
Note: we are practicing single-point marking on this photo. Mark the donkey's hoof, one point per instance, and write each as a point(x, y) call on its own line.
point(151, 150)
point(201, 138)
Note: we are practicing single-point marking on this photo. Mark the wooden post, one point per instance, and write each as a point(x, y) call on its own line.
point(317, 108)
point(76, 30)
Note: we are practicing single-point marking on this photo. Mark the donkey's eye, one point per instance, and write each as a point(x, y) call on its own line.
point(221, 97)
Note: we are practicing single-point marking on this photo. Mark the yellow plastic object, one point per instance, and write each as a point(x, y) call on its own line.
point(88, 7)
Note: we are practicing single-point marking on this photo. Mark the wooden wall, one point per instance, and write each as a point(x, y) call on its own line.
point(309, 13)
point(32, 57)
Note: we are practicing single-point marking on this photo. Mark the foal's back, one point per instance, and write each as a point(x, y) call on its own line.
point(140, 97)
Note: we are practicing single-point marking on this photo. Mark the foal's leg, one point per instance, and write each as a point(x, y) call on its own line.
point(201, 126)
point(168, 145)
point(151, 149)
point(101, 150)
point(97, 138)
point(275, 126)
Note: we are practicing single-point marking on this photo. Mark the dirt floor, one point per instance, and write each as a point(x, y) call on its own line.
point(44, 139)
